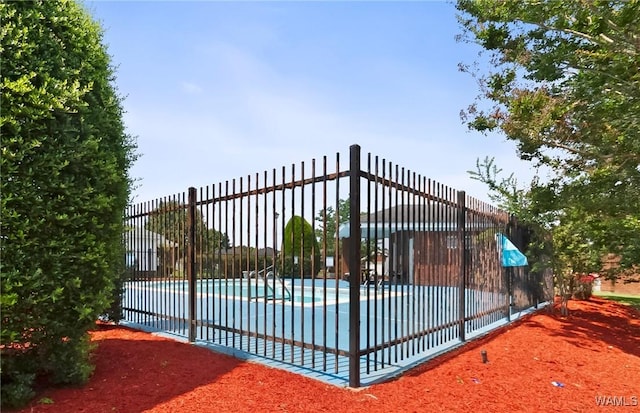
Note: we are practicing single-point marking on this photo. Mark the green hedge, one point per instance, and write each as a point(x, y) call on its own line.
point(65, 161)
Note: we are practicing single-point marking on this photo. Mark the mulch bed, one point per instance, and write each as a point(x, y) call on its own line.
point(593, 353)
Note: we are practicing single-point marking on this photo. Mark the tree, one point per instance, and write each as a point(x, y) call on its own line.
point(170, 220)
point(299, 253)
point(65, 185)
point(565, 86)
point(328, 220)
point(559, 239)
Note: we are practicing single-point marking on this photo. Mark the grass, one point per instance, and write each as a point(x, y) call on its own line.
point(627, 299)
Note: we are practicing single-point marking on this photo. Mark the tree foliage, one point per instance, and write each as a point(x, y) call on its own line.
point(65, 161)
point(329, 219)
point(564, 85)
point(169, 219)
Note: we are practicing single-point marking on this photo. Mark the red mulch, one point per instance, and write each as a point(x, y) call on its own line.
point(593, 352)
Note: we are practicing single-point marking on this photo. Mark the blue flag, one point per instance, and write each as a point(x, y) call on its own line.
point(511, 256)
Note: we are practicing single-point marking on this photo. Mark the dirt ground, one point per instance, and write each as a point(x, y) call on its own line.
point(588, 361)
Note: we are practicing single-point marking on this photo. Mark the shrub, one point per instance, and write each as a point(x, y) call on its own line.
point(583, 287)
point(65, 161)
point(18, 374)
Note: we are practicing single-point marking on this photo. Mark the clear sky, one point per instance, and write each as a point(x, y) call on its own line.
point(220, 90)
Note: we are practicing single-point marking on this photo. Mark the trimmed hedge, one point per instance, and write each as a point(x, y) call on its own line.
point(65, 185)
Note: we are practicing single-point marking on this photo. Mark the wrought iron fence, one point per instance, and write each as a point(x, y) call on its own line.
point(355, 271)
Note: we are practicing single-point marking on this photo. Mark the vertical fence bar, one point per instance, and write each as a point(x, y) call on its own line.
point(353, 262)
point(414, 264)
point(277, 252)
point(462, 235)
point(399, 254)
point(281, 261)
point(339, 252)
point(302, 259)
point(367, 279)
point(314, 270)
point(324, 260)
point(292, 237)
point(191, 261)
point(385, 355)
point(510, 271)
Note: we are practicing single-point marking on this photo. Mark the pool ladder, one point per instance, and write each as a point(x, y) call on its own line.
point(270, 275)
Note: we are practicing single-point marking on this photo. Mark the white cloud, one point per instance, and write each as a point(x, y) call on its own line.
point(190, 88)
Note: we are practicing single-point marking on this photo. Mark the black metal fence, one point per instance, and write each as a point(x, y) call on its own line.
point(357, 270)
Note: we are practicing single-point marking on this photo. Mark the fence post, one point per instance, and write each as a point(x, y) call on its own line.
point(353, 263)
point(191, 261)
point(462, 242)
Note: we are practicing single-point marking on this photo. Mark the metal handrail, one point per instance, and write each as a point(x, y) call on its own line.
point(275, 277)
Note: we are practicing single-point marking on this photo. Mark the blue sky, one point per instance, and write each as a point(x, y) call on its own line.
point(221, 90)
